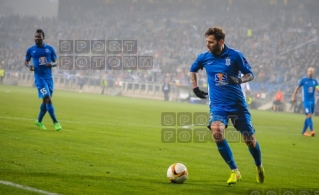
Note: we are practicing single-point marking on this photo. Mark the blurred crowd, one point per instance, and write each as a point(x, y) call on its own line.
point(278, 37)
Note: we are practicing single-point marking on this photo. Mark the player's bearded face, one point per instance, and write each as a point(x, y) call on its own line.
point(38, 39)
point(216, 48)
point(213, 45)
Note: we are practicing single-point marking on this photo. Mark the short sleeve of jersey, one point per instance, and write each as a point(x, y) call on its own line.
point(28, 55)
point(243, 64)
point(53, 54)
point(301, 83)
point(197, 64)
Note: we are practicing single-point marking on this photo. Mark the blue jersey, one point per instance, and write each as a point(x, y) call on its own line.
point(40, 56)
point(224, 96)
point(308, 88)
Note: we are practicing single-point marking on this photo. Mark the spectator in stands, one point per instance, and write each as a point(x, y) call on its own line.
point(103, 84)
point(278, 101)
point(249, 100)
point(80, 83)
point(166, 89)
point(273, 34)
point(1, 74)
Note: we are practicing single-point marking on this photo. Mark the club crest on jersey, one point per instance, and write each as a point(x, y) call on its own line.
point(221, 79)
point(47, 50)
point(42, 61)
point(228, 61)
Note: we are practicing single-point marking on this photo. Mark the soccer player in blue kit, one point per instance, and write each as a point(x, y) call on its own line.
point(223, 66)
point(43, 58)
point(309, 85)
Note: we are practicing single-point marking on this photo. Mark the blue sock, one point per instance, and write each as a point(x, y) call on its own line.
point(255, 152)
point(50, 109)
point(43, 110)
point(310, 123)
point(226, 153)
point(305, 126)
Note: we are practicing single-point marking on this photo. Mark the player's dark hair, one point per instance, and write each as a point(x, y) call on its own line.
point(40, 31)
point(219, 33)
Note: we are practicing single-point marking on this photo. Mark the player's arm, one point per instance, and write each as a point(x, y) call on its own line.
point(27, 60)
point(317, 86)
point(193, 70)
point(52, 64)
point(27, 63)
point(53, 57)
point(30, 66)
point(247, 77)
point(301, 83)
point(293, 98)
point(199, 93)
point(193, 76)
point(245, 68)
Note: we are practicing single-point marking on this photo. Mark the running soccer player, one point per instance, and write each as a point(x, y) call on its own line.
point(43, 58)
point(309, 85)
point(226, 100)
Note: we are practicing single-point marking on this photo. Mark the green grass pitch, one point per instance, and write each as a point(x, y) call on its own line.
point(113, 145)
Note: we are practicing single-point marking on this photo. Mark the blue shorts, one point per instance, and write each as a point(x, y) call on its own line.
point(45, 87)
point(309, 107)
point(241, 120)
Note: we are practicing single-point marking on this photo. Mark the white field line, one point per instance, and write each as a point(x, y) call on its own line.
point(153, 126)
point(26, 188)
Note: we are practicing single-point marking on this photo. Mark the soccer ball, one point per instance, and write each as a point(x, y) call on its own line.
point(177, 173)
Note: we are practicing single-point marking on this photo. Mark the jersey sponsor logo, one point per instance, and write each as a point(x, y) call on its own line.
point(228, 61)
point(221, 79)
point(310, 90)
point(42, 61)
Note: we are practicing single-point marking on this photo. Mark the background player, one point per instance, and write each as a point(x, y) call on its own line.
point(43, 58)
point(223, 66)
point(309, 85)
point(245, 87)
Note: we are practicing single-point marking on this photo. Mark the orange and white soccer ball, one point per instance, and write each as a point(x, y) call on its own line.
point(177, 173)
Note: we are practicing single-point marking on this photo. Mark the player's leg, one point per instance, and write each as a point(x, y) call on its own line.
point(50, 109)
point(217, 125)
point(49, 104)
point(309, 118)
point(305, 127)
point(308, 121)
point(254, 149)
point(41, 87)
point(244, 125)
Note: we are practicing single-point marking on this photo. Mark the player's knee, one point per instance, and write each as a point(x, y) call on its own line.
point(250, 144)
point(218, 136)
point(250, 141)
point(217, 131)
point(47, 100)
point(217, 125)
